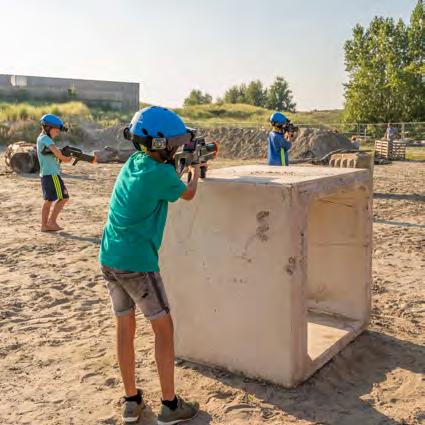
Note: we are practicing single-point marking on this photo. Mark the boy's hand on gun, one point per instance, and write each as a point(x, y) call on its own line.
point(195, 169)
point(66, 158)
point(194, 173)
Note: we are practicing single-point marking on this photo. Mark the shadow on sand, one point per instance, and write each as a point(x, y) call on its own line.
point(338, 393)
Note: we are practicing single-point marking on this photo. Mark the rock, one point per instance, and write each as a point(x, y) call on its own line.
point(21, 157)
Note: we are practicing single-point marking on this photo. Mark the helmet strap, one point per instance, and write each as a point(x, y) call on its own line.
point(137, 146)
point(167, 155)
point(46, 129)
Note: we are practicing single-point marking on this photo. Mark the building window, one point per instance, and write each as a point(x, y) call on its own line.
point(18, 81)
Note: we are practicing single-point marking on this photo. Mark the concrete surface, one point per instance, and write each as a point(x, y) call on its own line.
point(268, 269)
point(112, 94)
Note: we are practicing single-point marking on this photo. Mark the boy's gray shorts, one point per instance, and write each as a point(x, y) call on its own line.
point(127, 289)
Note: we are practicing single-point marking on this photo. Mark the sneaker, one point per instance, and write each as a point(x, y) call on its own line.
point(131, 410)
point(186, 410)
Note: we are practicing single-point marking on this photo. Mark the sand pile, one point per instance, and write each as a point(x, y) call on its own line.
point(315, 143)
point(235, 143)
point(97, 137)
point(238, 143)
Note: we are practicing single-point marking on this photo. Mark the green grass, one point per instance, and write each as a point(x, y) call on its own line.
point(27, 111)
point(212, 115)
point(242, 115)
point(415, 153)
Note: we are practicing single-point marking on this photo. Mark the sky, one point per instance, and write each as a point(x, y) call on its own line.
point(173, 46)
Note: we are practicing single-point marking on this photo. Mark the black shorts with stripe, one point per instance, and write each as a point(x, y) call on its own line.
point(54, 188)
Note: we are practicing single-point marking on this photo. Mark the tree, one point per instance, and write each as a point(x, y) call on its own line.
point(415, 70)
point(231, 95)
point(383, 62)
point(196, 97)
point(280, 97)
point(255, 94)
point(236, 94)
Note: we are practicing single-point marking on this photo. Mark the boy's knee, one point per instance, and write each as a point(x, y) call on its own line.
point(163, 325)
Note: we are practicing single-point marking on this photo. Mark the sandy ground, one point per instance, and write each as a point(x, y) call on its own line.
point(57, 360)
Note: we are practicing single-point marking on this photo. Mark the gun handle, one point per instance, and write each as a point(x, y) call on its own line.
point(203, 172)
point(189, 176)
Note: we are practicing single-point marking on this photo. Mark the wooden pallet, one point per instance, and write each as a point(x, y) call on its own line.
point(391, 150)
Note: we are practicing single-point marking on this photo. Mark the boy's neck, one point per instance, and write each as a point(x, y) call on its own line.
point(154, 155)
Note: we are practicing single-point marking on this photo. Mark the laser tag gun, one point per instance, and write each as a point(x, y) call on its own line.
point(72, 152)
point(197, 151)
point(78, 155)
point(289, 127)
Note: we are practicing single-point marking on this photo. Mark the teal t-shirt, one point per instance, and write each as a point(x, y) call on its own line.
point(49, 164)
point(137, 213)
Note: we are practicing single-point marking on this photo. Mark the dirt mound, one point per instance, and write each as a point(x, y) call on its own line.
point(98, 137)
point(235, 143)
point(239, 143)
point(315, 143)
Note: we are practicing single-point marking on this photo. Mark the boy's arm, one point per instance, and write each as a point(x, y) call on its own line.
point(191, 187)
point(58, 154)
point(286, 144)
point(287, 141)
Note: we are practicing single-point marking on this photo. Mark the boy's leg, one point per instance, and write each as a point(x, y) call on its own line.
point(173, 408)
point(45, 210)
point(126, 329)
point(62, 198)
point(58, 207)
point(164, 354)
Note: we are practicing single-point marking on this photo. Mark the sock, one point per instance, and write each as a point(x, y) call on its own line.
point(171, 404)
point(137, 398)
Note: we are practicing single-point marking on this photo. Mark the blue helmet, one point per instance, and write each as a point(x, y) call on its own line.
point(277, 118)
point(51, 120)
point(157, 128)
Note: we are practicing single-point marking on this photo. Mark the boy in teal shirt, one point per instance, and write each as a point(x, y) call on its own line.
point(52, 185)
point(129, 253)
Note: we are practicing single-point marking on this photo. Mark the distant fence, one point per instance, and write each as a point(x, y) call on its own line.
point(405, 131)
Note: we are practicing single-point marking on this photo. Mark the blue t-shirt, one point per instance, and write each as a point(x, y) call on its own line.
point(137, 214)
point(278, 147)
point(49, 164)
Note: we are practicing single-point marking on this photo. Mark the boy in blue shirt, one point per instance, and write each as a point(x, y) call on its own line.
point(129, 253)
point(278, 142)
point(53, 187)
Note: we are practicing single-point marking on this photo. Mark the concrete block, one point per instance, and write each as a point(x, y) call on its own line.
point(268, 269)
point(353, 160)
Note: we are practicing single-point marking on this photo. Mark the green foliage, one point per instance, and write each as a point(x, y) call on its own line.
point(385, 65)
point(26, 111)
point(236, 94)
point(278, 96)
point(255, 94)
point(243, 115)
point(196, 97)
